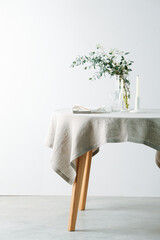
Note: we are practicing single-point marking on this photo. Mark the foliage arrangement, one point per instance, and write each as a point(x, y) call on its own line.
point(114, 63)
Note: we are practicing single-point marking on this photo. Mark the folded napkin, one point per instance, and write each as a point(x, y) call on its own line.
point(84, 109)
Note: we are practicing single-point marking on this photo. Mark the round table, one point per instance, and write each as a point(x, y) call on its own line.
point(76, 137)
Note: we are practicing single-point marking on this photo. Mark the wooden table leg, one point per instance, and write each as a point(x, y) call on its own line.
point(84, 189)
point(76, 190)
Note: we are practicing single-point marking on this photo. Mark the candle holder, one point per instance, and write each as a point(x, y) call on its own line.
point(137, 99)
point(137, 104)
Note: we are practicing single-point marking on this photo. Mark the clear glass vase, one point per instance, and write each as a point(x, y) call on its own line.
point(121, 95)
point(124, 96)
point(114, 96)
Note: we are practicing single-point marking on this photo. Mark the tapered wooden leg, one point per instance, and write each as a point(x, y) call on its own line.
point(84, 189)
point(76, 190)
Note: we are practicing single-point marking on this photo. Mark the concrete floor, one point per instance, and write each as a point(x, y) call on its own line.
point(46, 218)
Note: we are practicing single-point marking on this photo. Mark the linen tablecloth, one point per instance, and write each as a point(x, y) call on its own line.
point(71, 135)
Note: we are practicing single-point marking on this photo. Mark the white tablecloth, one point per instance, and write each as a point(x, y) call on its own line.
point(71, 135)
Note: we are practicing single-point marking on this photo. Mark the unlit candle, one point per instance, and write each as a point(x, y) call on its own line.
point(137, 89)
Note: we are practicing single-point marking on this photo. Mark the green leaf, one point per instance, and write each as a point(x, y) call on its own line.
point(105, 63)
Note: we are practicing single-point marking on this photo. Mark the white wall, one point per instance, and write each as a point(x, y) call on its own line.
point(38, 41)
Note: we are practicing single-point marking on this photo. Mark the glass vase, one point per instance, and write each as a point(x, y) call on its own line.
point(124, 96)
point(120, 98)
point(115, 96)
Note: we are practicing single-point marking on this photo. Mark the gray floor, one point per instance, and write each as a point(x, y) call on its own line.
point(46, 218)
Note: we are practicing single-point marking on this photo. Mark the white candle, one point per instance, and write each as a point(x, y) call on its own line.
point(137, 89)
point(137, 99)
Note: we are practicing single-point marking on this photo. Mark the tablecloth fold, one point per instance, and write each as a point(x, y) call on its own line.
point(71, 135)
